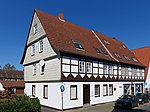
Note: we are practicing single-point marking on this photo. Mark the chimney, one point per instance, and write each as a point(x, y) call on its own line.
point(61, 16)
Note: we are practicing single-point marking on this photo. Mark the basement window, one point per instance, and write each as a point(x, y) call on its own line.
point(77, 44)
point(127, 58)
point(117, 55)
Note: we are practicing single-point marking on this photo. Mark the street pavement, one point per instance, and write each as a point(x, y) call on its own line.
point(107, 107)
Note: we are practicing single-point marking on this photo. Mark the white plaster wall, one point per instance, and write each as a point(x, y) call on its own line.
point(54, 94)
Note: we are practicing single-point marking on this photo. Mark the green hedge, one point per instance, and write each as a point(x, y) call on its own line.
point(21, 104)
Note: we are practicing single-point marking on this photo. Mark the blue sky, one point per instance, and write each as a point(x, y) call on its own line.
point(126, 20)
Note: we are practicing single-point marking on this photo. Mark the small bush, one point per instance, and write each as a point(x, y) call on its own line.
point(21, 104)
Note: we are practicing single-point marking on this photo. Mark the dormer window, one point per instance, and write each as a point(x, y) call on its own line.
point(35, 29)
point(117, 55)
point(127, 58)
point(97, 50)
point(77, 44)
point(106, 42)
point(105, 52)
point(134, 59)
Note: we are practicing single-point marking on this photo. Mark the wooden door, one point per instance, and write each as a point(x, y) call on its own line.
point(86, 93)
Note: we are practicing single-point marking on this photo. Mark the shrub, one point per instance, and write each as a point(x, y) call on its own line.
point(21, 104)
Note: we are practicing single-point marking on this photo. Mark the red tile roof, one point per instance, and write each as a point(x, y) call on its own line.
point(13, 84)
point(11, 74)
point(61, 34)
point(143, 54)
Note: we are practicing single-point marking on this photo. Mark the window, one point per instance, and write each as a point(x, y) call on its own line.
point(110, 89)
point(105, 52)
point(110, 69)
point(45, 92)
point(88, 67)
point(124, 46)
point(117, 55)
point(81, 66)
point(105, 69)
point(73, 92)
point(33, 49)
point(42, 69)
point(105, 90)
point(77, 44)
point(127, 58)
point(33, 90)
point(34, 69)
point(40, 45)
point(35, 29)
point(134, 59)
point(106, 42)
point(97, 50)
point(97, 90)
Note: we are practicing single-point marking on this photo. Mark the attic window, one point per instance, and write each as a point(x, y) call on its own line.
point(35, 29)
point(127, 58)
point(105, 52)
point(106, 42)
point(97, 50)
point(117, 55)
point(134, 59)
point(77, 44)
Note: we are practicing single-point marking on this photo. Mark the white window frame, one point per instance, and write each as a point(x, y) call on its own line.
point(110, 69)
point(106, 69)
point(33, 90)
point(35, 29)
point(34, 69)
point(45, 91)
point(81, 66)
point(41, 46)
point(105, 90)
point(110, 89)
point(33, 49)
point(88, 67)
point(73, 92)
point(97, 90)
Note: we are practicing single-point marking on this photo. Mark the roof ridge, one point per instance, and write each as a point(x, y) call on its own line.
point(141, 48)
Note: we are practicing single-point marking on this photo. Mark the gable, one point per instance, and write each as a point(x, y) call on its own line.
point(40, 31)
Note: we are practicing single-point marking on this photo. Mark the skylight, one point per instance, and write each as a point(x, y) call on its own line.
point(77, 44)
point(134, 59)
point(97, 50)
point(124, 46)
point(106, 42)
point(105, 52)
point(117, 55)
point(127, 58)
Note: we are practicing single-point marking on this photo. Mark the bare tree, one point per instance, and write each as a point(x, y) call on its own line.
point(9, 67)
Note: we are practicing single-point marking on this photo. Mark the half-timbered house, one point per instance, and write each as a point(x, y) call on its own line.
point(67, 66)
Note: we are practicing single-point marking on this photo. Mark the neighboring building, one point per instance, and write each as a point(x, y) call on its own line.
point(89, 66)
point(143, 54)
point(12, 80)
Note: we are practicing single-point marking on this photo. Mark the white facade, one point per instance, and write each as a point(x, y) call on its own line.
point(147, 82)
point(55, 95)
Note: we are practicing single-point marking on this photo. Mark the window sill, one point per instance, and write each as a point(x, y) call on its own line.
point(74, 99)
point(40, 51)
point(45, 97)
point(97, 96)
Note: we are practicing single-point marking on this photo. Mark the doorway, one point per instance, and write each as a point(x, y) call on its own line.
point(86, 93)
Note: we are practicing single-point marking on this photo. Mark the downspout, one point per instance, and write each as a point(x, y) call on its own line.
point(104, 46)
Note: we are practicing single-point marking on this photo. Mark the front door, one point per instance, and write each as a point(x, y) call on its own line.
point(86, 93)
